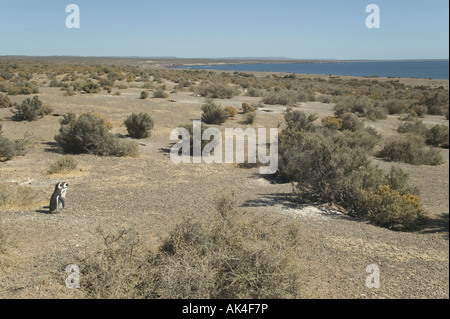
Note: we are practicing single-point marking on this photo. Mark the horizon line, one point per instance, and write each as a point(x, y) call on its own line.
point(221, 58)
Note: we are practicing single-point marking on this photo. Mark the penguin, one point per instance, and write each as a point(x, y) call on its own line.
point(57, 200)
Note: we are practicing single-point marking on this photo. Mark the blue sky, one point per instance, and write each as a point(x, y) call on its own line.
point(302, 29)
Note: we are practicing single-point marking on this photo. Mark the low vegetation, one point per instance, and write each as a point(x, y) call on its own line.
point(5, 102)
point(216, 90)
point(411, 149)
point(231, 255)
point(139, 125)
point(19, 196)
point(249, 118)
point(30, 110)
point(333, 167)
point(231, 111)
point(437, 135)
point(288, 97)
point(63, 165)
point(212, 113)
point(89, 133)
point(144, 95)
point(11, 148)
point(247, 108)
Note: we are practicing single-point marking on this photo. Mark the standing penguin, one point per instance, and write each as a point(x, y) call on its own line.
point(57, 199)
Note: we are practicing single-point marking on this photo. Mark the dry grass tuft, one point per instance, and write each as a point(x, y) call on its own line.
point(232, 255)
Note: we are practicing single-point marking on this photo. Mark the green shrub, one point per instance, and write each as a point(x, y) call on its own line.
point(409, 148)
point(139, 125)
point(30, 110)
point(63, 165)
point(5, 101)
point(89, 133)
point(212, 113)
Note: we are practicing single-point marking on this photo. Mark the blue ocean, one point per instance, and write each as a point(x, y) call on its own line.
point(436, 69)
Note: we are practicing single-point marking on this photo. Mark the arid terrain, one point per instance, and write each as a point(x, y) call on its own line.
point(151, 194)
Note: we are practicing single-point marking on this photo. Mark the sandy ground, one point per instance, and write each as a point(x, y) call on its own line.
point(152, 194)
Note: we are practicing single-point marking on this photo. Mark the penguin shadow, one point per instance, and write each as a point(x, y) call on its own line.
point(43, 210)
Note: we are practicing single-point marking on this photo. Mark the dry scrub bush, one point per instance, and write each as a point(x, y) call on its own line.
point(11, 148)
point(160, 94)
point(395, 106)
point(249, 118)
point(416, 127)
point(91, 88)
point(231, 111)
point(327, 166)
point(230, 255)
point(212, 113)
point(144, 95)
point(18, 196)
point(391, 209)
point(63, 165)
point(332, 123)
point(216, 90)
point(247, 108)
point(139, 125)
point(5, 102)
point(288, 97)
point(351, 122)
point(89, 133)
point(409, 148)
point(437, 135)
point(436, 103)
point(360, 105)
point(30, 110)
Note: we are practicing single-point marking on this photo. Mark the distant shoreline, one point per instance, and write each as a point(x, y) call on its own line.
point(420, 69)
point(179, 63)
